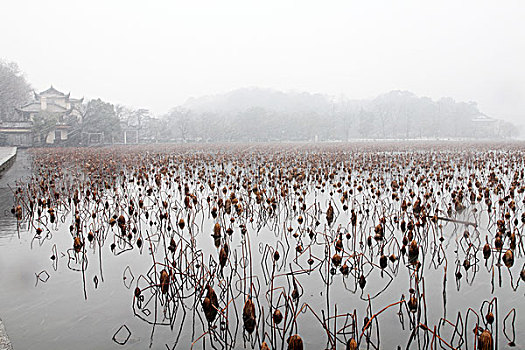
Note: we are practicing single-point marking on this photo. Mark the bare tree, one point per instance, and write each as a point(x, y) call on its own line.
point(180, 119)
point(14, 90)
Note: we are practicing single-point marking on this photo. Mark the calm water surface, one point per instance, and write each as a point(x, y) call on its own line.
point(55, 314)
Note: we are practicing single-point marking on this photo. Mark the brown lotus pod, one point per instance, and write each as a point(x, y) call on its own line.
point(90, 236)
point(77, 244)
point(164, 281)
point(238, 207)
point(187, 201)
point(300, 220)
point(112, 222)
point(217, 241)
point(210, 305)
point(209, 311)
point(276, 256)
point(217, 230)
point(508, 258)
point(486, 251)
point(410, 234)
point(172, 245)
point(264, 346)
point(223, 257)
point(379, 232)
point(365, 322)
point(336, 259)
point(351, 345)
point(121, 220)
point(295, 342)
point(139, 242)
point(228, 206)
point(339, 245)
point(345, 270)
point(485, 341)
point(403, 226)
point(412, 304)
point(181, 224)
point(137, 292)
point(498, 242)
point(383, 261)
point(489, 317)
point(295, 294)
point(353, 218)
point(248, 316)
point(330, 214)
point(413, 252)
point(277, 316)
point(512, 241)
point(18, 212)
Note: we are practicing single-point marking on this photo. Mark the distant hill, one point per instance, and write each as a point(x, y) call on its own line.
point(257, 114)
point(274, 100)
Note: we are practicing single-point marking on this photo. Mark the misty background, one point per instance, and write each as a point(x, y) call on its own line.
point(292, 69)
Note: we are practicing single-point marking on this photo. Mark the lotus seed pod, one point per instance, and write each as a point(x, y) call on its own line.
point(485, 341)
point(295, 343)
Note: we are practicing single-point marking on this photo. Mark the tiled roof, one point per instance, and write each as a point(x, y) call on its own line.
point(30, 107)
point(35, 107)
point(52, 91)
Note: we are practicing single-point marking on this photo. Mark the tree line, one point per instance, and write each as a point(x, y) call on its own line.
point(96, 115)
point(395, 115)
point(253, 115)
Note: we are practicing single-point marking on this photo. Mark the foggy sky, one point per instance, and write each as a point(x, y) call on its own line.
point(156, 54)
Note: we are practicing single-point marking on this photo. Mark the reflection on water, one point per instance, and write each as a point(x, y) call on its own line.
point(19, 170)
point(333, 246)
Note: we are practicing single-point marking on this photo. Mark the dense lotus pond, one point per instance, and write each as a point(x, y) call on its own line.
point(266, 246)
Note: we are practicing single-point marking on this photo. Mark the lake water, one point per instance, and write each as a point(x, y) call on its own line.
point(66, 302)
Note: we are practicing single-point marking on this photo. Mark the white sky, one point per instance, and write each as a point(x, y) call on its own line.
point(156, 54)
